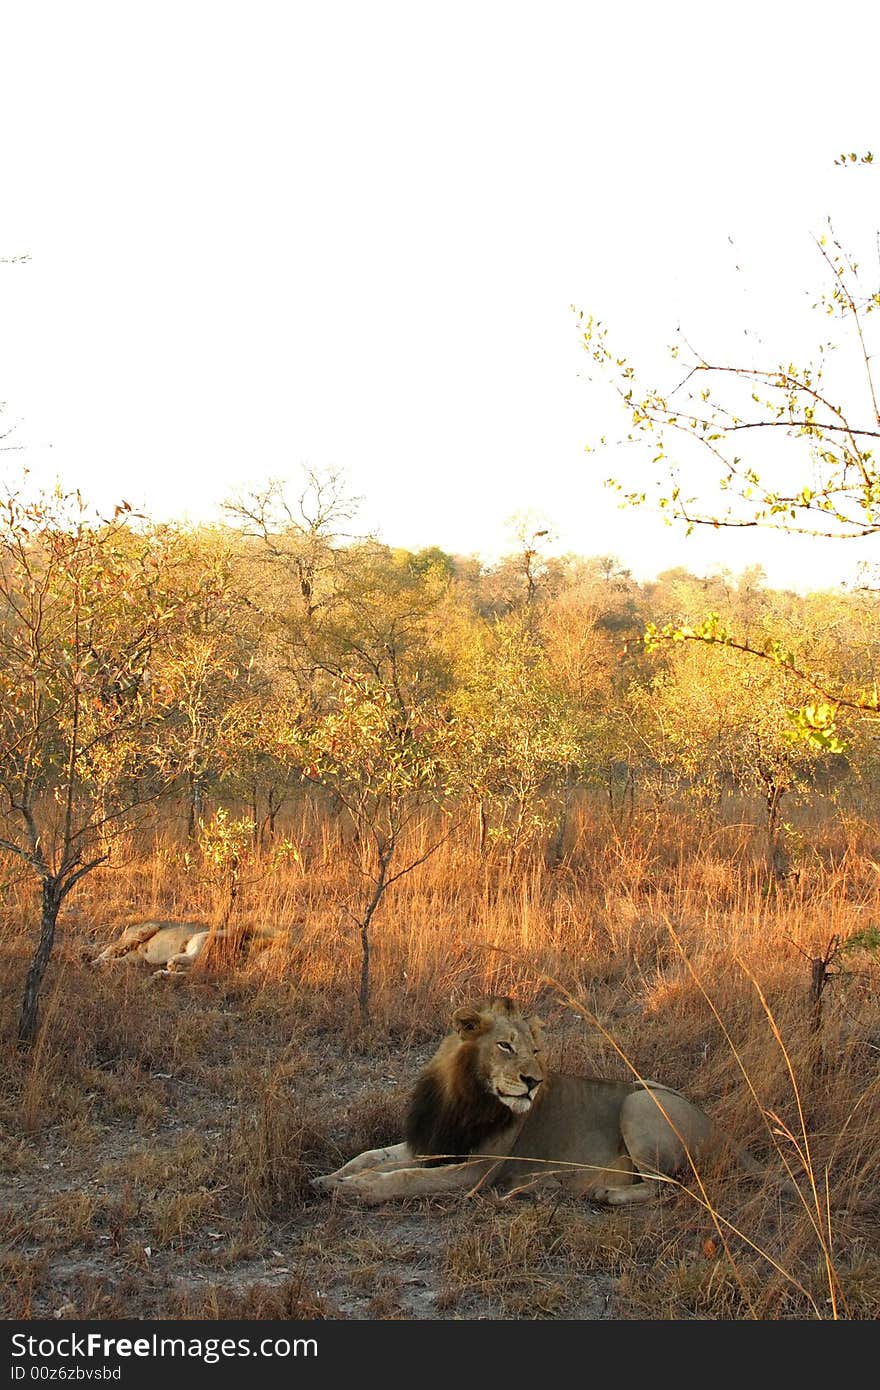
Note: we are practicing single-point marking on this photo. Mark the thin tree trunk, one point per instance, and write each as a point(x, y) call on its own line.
point(28, 1021)
point(778, 858)
point(557, 843)
point(819, 978)
point(482, 826)
point(231, 894)
point(272, 809)
point(386, 854)
point(364, 987)
point(196, 803)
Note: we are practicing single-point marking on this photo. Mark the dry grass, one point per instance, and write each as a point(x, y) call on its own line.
point(161, 1131)
point(291, 1300)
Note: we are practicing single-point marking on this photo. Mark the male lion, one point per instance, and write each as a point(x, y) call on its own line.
point(174, 946)
point(485, 1109)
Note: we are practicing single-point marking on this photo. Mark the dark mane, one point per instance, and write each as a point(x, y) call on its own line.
point(453, 1120)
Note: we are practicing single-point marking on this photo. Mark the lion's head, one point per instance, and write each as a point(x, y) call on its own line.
point(488, 1070)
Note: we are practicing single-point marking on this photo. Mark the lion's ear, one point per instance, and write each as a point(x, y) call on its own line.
point(504, 1005)
point(469, 1022)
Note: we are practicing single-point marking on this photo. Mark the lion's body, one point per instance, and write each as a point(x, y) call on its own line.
point(485, 1111)
point(597, 1135)
point(174, 946)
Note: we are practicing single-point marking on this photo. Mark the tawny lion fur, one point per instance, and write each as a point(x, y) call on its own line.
point(485, 1110)
point(175, 946)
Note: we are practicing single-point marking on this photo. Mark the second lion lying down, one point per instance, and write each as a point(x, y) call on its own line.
point(175, 946)
point(485, 1110)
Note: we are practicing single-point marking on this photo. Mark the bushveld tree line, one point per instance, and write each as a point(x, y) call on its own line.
point(236, 667)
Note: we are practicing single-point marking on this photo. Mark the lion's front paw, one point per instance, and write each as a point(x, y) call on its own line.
point(342, 1188)
point(325, 1184)
point(609, 1196)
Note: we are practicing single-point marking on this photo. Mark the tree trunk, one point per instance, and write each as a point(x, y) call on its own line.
point(819, 978)
point(482, 826)
point(557, 843)
point(385, 855)
point(27, 1025)
point(364, 988)
point(231, 893)
point(196, 803)
point(778, 857)
point(272, 809)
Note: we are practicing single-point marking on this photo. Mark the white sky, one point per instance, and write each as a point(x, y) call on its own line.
point(347, 235)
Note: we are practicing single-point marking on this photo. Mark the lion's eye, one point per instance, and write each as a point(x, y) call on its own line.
point(505, 1047)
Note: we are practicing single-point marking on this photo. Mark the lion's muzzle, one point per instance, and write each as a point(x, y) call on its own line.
point(520, 1101)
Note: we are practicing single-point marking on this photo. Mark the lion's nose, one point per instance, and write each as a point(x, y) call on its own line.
point(530, 1082)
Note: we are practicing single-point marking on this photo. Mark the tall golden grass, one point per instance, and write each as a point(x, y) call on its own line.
point(656, 947)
